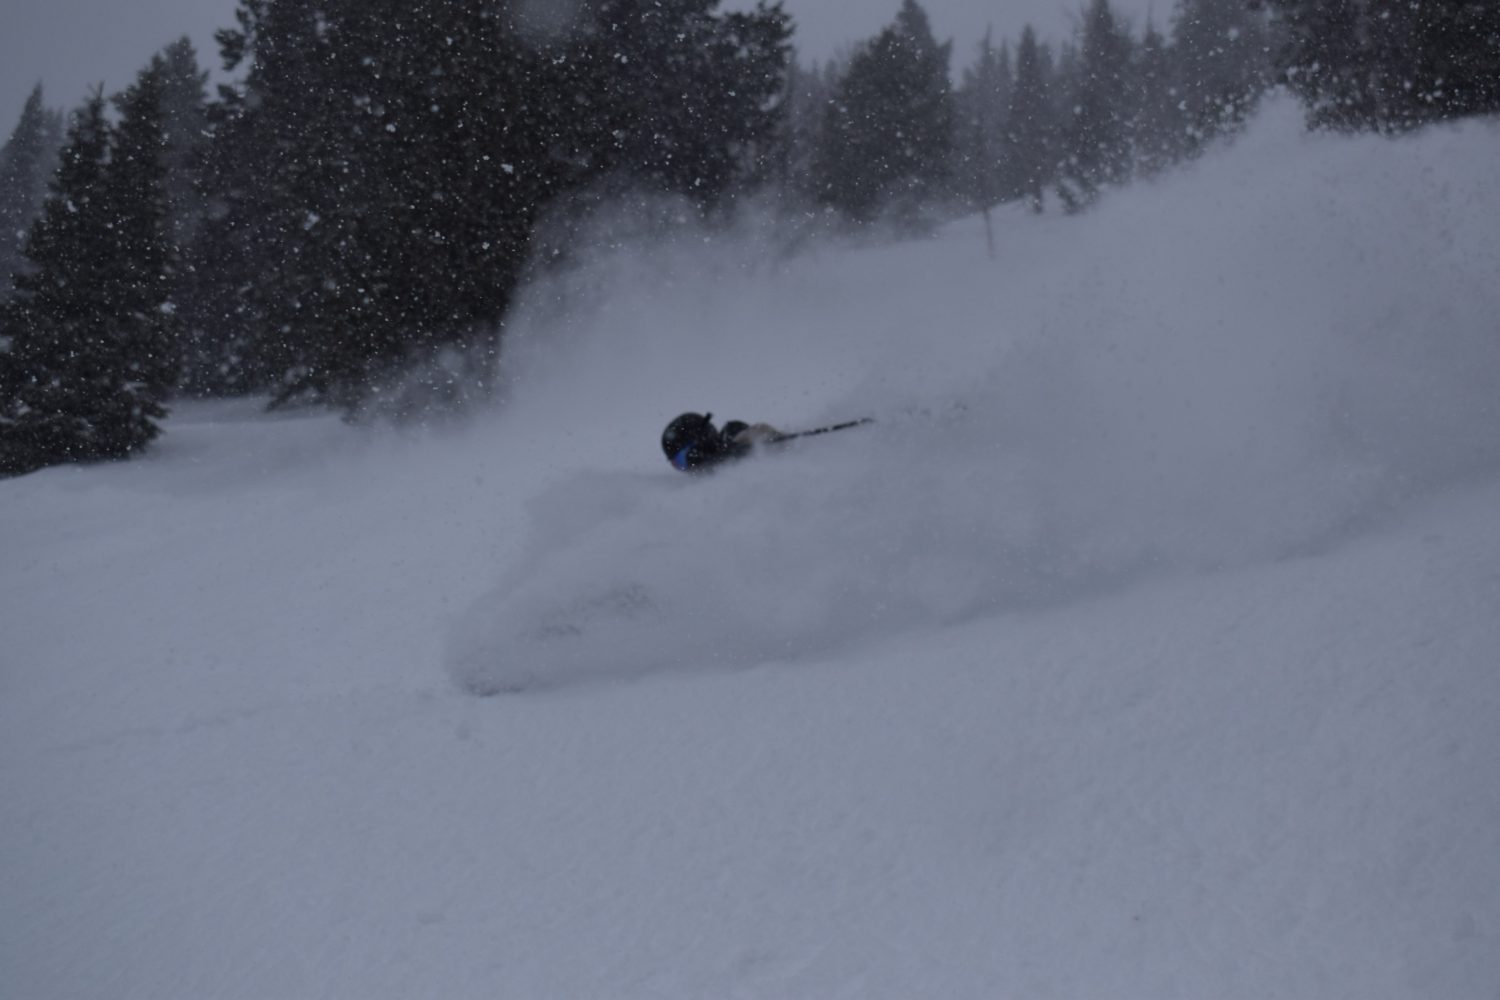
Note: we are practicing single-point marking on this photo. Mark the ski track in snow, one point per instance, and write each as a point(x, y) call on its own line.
point(1145, 648)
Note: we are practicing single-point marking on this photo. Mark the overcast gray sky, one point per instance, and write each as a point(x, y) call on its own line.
point(70, 45)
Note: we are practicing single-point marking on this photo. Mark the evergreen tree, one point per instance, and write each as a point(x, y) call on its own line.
point(809, 90)
point(1161, 130)
point(59, 371)
point(184, 122)
point(143, 262)
point(259, 134)
point(679, 98)
point(26, 162)
point(1383, 64)
point(983, 104)
point(1433, 60)
point(888, 134)
point(374, 244)
point(1030, 124)
point(384, 164)
point(90, 359)
point(1097, 136)
point(753, 53)
point(44, 410)
point(221, 310)
point(1325, 61)
point(186, 127)
point(1458, 59)
point(325, 233)
point(1221, 65)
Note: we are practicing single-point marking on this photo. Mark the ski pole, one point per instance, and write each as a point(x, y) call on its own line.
point(812, 432)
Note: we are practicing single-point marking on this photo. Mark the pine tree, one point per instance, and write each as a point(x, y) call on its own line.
point(1221, 66)
point(983, 103)
point(1097, 137)
point(1383, 64)
point(143, 269)
point(679, 98)
point(888, 135)
point(184, 122)
point(258, 143)
point(370, 197)
point(446, 130)
point(1030, 124)
point(1160, 129)
point(60, 371)
point(1433, 60)
point(26, 162)
point(298, 160)
point(1325, 61)
point(221, 310)
point(91, 359)
point(753, 53)
point(384, 164)
point(807, 95)
point(1460, 58)
point(186, 127)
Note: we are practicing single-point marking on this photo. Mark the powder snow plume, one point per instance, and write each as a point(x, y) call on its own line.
point(1254, 358)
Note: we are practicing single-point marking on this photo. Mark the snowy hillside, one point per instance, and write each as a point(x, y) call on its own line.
point(1146, 645)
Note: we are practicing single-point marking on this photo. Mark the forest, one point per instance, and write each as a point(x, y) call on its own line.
point(347, 220)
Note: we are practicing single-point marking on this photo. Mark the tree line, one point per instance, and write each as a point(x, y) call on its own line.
point(348, 221)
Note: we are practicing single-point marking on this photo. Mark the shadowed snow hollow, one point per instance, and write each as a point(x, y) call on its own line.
point(1250, 359)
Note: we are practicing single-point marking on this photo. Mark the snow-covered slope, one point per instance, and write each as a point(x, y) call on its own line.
point(1146, 647)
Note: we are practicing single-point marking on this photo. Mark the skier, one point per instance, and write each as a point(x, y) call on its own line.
point(693, 444)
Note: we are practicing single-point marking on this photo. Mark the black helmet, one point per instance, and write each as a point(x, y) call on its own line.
point(690, 441)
